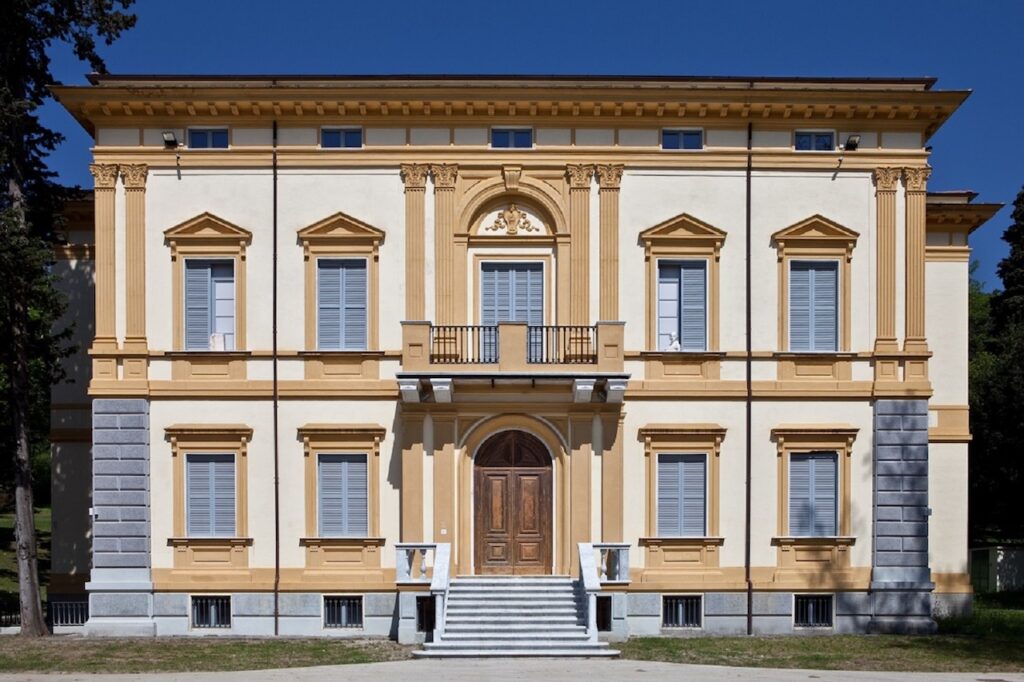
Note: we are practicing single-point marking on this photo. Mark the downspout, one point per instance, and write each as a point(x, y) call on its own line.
point(749, 392)
point(273, 355)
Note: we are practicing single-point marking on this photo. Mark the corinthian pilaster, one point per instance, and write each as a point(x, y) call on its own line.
point(915, 181)
point(415, 178)
point(445, 295)
point(608, 179)
point(580, 178)
point(134, 179)
point(105, 179)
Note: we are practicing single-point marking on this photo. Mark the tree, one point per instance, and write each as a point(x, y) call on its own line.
point(29, 204)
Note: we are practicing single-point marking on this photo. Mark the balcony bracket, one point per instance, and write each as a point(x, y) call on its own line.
point(442, 389)
point(582, 390)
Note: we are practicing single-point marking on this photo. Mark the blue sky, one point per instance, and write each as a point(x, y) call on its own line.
point(972, 44)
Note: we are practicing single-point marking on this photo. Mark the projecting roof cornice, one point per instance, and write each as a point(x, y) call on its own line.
point(852, 103)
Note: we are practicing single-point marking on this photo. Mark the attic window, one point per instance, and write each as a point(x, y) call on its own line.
point(208, 138)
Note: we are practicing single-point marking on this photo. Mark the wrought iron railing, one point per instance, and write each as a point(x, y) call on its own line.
point(561, 345)
point(463, 344)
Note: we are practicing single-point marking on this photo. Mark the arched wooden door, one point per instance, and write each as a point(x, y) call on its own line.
point(512, 506)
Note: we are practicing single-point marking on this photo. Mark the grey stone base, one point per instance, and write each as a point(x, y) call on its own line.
point(120, 614)
point(952, 605)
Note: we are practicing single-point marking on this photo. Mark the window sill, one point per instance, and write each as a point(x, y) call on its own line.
point(341, 542)
point(815, 354)
point(683, 354)
point(209, 542)
point(192, 354)
point(340, 353)
point(697, 541)
point(210, 553)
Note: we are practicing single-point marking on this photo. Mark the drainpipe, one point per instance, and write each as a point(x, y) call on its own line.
point(749, 394)
point(273, 355)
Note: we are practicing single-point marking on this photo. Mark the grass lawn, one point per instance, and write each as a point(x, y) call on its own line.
point(8, 565)
point(185, 654)
point(991, 640)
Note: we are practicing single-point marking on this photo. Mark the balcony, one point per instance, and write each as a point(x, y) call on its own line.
point(590, 356)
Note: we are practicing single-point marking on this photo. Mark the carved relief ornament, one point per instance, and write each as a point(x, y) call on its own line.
point(134, 175)
point(104, 175)
point(579, 175)
point(415, 175)
point(915, 179)
point(886, 179)
point(445, 175)
point(511, 220)
point(609, 176)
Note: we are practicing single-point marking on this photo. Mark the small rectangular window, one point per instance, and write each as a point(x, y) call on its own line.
point(812, 611)
point(211, 612)
point(210, 495)
point(813, 482)
point(681, 611)
point(506, 138)
point(345, 138)
point(425, 614)
point(682, 139)
point(208, 138)
point(814, 141)
point(343, 612)
point(209, 305)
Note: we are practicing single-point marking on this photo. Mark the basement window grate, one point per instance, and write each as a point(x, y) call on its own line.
point(211, 612)
point(343, 612)
point(812, 611)
point(681, 612)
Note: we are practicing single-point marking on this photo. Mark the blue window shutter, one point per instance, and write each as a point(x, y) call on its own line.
point(210, 481)
point(198, 139)
point(669, 296)
point(512, 292)
point(824, 484)
point(670, 512)
point(801, 500)
point(824, 291)
point(694, 310)
point(693, 501)
point(671, 139)
point(800, 306)
point(199, 503)
point(500, 138)
point(219, 138)
point(330, 138)
point(343, 495)
point(224, 496)
point(693, 139)
point(198, 287)
point(354, 302)
point(522, 139)
point(328, 304)
point(488, 295)
point(682, 498)
point(354, 138)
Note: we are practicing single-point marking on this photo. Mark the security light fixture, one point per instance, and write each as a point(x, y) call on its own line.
point(170, 139)
point(852, 142)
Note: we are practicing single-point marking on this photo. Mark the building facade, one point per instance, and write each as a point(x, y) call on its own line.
point(699, 344)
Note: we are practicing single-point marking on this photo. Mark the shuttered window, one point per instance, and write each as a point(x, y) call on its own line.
point(209, 305)
point(512, 292)
point(341, 304)
point(682, 305)
point(343, 492)
point(812, 494)
point(813, 306)
point(210, 495)
point(681, 495)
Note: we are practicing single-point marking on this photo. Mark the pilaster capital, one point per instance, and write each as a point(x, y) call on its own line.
point(886, 179)
point(916, 179)
point(579, 175)
point(609, 175)
point(134, 175)
point(414, 175)
point(104, 175)
point(445, 175)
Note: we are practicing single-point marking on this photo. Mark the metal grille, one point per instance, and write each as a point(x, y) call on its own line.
point(211, 612)
point(812, 611)
point(463, 344)
point(681, 612)
point(425, 614)
point(570, 345)
point(10, 619)
point(343, 612)
point(68, 613)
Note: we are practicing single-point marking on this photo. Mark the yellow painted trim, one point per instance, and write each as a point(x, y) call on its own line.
point(609, 177)
point(947, 254)
point(446, 284)
point(134, 179)
point(612, 488)
point(105, 177)
point(952, 583)
point(580, 178)
point(953, 424)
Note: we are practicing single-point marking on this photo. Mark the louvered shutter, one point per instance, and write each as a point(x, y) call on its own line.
point(800, 306)
point(693, 487)
point(824, 490)
point(197, 305)
point(824, 295)
point(354, 302)
point(342, 490)
point(682, 498)
point(328, 304)
point(669, 496)
point(694, 306)
point(488, 313)
point(210, 493)
point(223, 480)
point(669, 295)
point(801, 502)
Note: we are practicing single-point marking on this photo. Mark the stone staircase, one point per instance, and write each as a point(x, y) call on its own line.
point(514, 616)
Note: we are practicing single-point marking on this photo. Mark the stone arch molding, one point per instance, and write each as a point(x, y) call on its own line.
point(526, 192)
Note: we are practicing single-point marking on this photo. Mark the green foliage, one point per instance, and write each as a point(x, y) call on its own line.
point(996, 345)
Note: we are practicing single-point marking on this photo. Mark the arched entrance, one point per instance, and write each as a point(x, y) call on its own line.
point(512, 506)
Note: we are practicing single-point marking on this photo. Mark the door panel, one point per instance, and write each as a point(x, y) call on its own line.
point(513, 506)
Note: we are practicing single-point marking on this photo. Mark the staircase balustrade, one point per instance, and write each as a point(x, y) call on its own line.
point(411, 561)
point(439, 586)
point(612, 561)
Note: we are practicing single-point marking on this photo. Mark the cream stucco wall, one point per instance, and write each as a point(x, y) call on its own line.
point(947, 496)
point(946, 323)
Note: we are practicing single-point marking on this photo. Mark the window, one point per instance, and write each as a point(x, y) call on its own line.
point(341, 304)
point(211, 612)
point(681, 495)
point(347, 138)
point(681, 611)
point(506, 138)
point(812, 610)
point(208, 138)
point(210, 495)
point(682, 139)
point(813, 306)
point(682, 305)
point(812, 494)
point(343, 612)
point(343, 490)
point(209, 305)
point(814, 141)
point(512, 292)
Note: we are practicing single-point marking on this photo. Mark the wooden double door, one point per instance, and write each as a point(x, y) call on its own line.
point(512, 506)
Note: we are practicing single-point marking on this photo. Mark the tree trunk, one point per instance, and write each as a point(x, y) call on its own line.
point(32, 622)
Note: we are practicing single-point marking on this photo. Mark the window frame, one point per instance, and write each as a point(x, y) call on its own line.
point(511, 130)
point(342, 130)
point(837, 438)
point(189, 454)
point(212, 309)
point(480, 260)
point(814, 133)
point(366, 307)
point(682, 132)
point(319, 498)
point(836, 462)
point(839, 297)
point(208, 130)
point(678, 260)
point(657, 492)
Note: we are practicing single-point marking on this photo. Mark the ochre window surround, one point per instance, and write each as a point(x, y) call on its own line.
point(341, 553)
point(190, 439)
point(682, 553)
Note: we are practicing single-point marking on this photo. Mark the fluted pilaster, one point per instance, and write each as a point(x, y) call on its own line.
point(415, 178)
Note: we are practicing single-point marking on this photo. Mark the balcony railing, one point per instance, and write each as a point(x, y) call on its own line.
point(463, 344)
point(569, 345)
